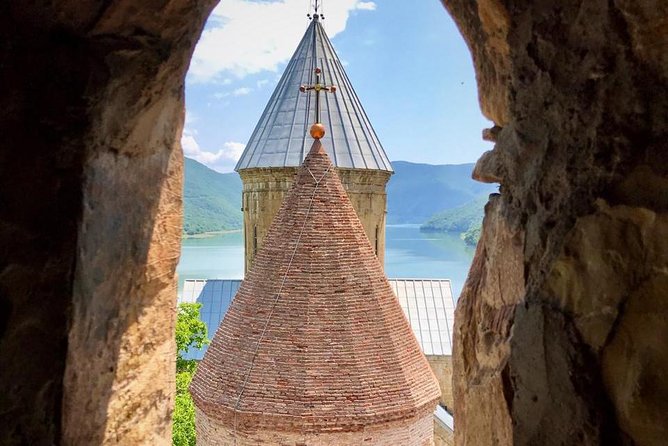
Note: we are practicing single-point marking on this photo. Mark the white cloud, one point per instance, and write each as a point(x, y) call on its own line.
point(262, 82)
point(245, 37)
point(243, 91)
point(190, 146)
point(222, 160)
point(190, 118)
point(366, 6)
point(233, 150)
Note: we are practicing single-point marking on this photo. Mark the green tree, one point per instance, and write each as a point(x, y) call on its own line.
point(190, 332)
point(183, 421)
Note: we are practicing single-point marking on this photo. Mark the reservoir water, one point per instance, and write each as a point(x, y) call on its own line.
point(409, 254)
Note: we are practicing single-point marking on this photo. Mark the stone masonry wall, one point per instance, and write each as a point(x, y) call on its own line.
point(441, 365)
point(572, 260)
point(90, 216)
point(264, 191)
point(559, 328)
point(417, 432)
point(443, 436)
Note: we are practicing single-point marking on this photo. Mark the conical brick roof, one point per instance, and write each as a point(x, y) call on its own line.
point(281, 137)
point(315, 339)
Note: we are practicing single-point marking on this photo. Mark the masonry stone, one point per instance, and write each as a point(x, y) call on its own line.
point(264, 190)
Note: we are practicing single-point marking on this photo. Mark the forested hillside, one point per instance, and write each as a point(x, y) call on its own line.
point(418, 191)
point(465, 220)
point(459, 219)
point(211, 200)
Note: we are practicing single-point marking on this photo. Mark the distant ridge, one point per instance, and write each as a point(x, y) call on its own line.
point(212, 200)
point(459, 219)
point(418, 191)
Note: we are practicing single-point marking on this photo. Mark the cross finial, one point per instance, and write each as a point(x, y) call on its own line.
point(316, 15)
point(317, 129)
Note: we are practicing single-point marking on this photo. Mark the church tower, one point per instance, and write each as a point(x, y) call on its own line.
point(279, 144)
point(315, 349)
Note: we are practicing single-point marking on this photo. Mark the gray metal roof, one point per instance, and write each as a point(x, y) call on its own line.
point(215, 297)
point(281, 137)
point(443, 417)
point(430, 309)
point(427, 303)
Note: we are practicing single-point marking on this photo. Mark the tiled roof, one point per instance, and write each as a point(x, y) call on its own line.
point(315, 339)
point(281, 137)
point(427, 303)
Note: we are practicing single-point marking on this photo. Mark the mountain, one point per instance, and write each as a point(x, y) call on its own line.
point(211, 200)
point(466, 220)
point(418, 191)
point(459, 219)
point(472, 236)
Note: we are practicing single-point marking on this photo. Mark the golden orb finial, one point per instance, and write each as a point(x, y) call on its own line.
point(317, 130)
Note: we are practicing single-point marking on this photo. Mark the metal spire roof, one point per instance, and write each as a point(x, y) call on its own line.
point(281, 136)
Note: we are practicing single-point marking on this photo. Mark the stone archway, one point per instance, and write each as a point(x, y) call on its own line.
point(556, 328)
point(572, 261)
point(90, 216)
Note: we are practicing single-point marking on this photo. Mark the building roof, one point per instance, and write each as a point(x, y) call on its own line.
point(315, 339)
point(430, 310)
point(427, 303)
point(281, 137)
point(215, 295)
point(444, 418)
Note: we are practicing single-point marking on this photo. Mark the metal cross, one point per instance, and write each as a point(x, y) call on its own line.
point(317, 87)
point(315, 15)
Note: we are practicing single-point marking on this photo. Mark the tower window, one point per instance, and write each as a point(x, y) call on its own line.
point(254, 240)
point(376, 244)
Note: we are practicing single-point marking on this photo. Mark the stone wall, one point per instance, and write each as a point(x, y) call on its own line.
point(90, 216)
point(366, 190)
point(416, 432)
point(443, 436)
point(265, 188)
point(571, 261)
point(558, 326)
point(441, 365)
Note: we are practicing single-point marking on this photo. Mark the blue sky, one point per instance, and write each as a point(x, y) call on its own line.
point(406, 60)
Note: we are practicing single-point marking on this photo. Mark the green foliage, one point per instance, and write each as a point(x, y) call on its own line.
point(418, 191)
point(472, 235)
point(211, 200)
point(183, 422)
point(466, 220)
point(459, 219)
point(190, 332)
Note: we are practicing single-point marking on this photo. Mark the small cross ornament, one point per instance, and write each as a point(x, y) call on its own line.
point(317, 130)
point(316, 16)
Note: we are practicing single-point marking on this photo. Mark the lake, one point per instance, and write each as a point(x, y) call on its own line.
point(409, 253)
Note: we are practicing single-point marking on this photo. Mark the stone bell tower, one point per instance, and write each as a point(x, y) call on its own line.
point(279, 143)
